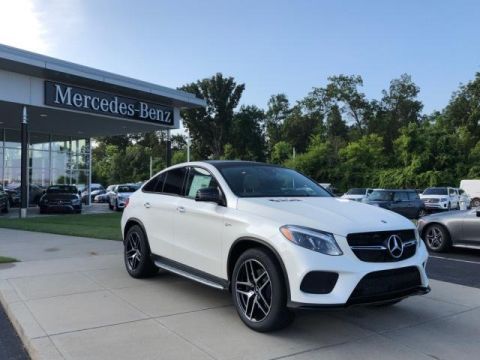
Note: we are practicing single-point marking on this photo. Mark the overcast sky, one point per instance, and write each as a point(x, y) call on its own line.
point(272, 46)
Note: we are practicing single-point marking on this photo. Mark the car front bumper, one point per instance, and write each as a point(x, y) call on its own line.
point(436, 206)
point(60, 208)
point(354, 284)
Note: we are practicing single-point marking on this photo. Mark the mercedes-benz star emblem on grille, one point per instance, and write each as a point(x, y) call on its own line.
point(395, 246)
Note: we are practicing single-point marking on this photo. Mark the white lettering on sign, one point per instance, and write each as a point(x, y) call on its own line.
point(61, 95)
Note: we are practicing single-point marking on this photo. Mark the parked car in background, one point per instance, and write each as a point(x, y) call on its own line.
point(403, 202)
point(357, 194)
point(120, 194)
point(456, 228)
point(104, 197)
point(464, 198)
point(93, 187)
point(441, 198)
point(93, 194)
point(35, 192)
point(472, 188)
point(4, 201)
point(60, 198)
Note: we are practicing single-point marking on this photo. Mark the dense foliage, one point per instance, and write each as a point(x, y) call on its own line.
point(335, 134)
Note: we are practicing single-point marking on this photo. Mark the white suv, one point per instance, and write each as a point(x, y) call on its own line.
point(441, 198)
point(272, 237)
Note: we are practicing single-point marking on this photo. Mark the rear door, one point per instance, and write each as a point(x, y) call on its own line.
point(400, 203)
point(471, 228)
point(160, 201)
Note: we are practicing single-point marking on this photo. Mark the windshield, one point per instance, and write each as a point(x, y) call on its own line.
point(436, 191)
point(357, 191)
point(127, 188)
point(381, 196)
point(269, 181)
point(62, 189)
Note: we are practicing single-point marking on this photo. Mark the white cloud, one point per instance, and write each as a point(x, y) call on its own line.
point(21, 26)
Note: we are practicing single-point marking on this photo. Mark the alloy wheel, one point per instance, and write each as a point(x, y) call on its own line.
point(253, 289)
point(434, 238)
point(133, 252)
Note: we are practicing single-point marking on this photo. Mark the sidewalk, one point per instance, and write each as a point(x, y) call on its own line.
point(78, 302)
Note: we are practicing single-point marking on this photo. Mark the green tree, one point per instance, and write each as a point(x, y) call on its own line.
point(210, 127)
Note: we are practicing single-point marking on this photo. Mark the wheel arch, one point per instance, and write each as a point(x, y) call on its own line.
point(242, 244)
point(131, 222)
point(443, 226)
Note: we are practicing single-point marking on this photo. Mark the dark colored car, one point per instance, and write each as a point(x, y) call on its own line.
point(4, 201)
point(13, 191)
point(92, 195)
point(60, 198)
point(403, 202)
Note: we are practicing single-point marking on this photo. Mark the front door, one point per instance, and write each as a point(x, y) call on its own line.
point(198, 226)
point(471, 228)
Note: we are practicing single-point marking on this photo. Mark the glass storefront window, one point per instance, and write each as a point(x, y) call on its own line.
point(39, 141)
point(12, 157)
point(39, 159)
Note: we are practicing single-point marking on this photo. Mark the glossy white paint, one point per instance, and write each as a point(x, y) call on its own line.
point(200, 235)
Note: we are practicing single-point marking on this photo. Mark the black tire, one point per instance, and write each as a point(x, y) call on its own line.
point(6, 209)
point(421, 213)
point(475, 202)
point(386, 303)
point(269, 288)
point(449, 207)
point(136, 254)
point(437, 238)
point(116, 206)
point(42, 211)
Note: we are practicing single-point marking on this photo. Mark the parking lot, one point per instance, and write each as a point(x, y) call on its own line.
point(72, 299)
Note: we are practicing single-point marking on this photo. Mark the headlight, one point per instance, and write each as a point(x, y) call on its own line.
point(319, 241)
point(443, 200)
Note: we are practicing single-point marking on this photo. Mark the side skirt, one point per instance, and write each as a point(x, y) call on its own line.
point(190, 273)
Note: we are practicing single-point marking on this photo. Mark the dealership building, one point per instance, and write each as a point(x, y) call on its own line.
point(51, 109)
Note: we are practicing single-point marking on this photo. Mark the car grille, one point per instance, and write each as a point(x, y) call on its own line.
point(431, 201)
point(60, 202)
point(386, 284)
point(373, 246)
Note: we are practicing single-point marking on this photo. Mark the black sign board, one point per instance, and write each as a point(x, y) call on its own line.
point(99, 102)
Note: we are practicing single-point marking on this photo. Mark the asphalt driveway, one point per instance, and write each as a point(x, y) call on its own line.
point(77, 302)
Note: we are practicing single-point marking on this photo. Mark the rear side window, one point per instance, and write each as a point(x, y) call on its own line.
point(174, 181)
point(400, 196)
point(412, 195)
point(155, 184)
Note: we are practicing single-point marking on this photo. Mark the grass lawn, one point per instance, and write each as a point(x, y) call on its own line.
point(100, 226)
point(4, 260)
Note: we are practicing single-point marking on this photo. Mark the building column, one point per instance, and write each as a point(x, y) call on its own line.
point(89, 177)
point(169, 149)
point(24, 165)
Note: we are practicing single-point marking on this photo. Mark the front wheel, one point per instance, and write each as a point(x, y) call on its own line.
point(259, 292)
point(437, 238)
point(475, 203)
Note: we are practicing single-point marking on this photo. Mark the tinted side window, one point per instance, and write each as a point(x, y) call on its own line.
point(155, 184)
point(400, 196)
point(413, 195)
point(174, 181)
point(198, 178)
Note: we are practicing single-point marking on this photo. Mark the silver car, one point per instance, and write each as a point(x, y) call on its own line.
point(453, 228)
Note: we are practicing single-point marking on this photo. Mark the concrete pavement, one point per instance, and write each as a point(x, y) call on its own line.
point(78, 302)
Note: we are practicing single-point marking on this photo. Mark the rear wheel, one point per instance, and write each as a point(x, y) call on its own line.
point(259, 293)
point(137, 254)
point(437, 238)
point(475, 202)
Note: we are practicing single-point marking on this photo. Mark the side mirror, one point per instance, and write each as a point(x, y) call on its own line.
point(209, 194)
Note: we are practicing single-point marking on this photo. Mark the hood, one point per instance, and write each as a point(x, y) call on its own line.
point(337, 216)
point(433, 196)
point(60, 196)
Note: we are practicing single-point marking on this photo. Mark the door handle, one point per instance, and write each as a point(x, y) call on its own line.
point(181, 209)
point(147, 205)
